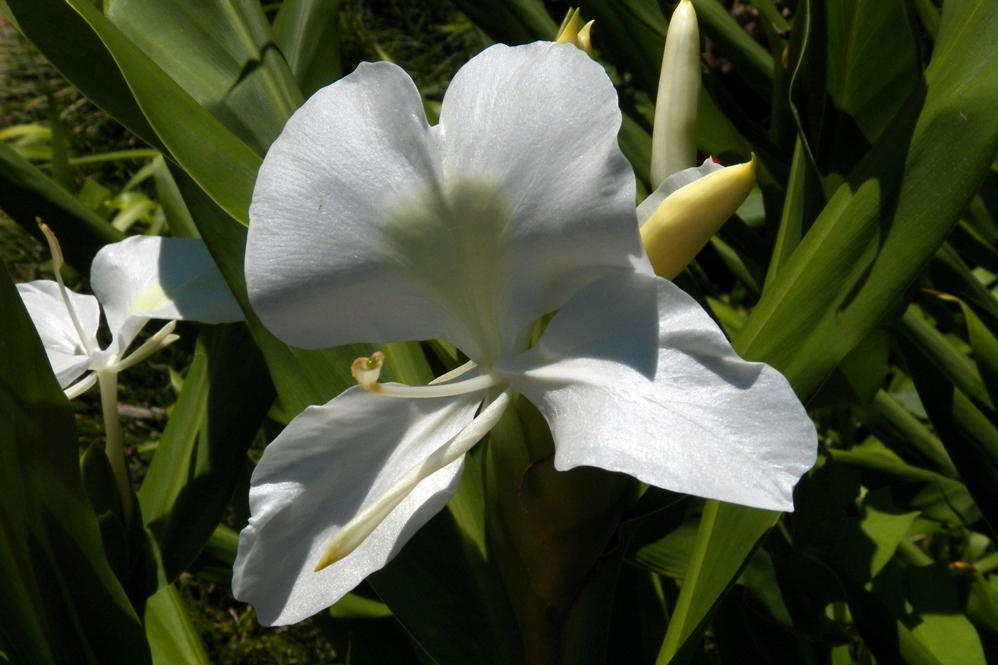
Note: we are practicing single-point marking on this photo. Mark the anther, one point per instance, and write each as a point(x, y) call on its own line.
point(366, 371)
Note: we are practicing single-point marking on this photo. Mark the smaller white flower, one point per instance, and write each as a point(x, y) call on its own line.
point(137, 279)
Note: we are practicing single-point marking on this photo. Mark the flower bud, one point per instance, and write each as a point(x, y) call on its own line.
point(674, 138)
point(688, 218)
point(571, 33)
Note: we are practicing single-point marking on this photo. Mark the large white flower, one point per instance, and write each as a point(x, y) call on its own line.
point(137, 279)
point(367, 224)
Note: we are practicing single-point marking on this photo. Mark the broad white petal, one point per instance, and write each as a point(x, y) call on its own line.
point(326, 466)
point(369, 225)
point(148, 277)
point(66, 351)
point(537, 125)
point(318, 265)
point(689, 416)
point(673, 183)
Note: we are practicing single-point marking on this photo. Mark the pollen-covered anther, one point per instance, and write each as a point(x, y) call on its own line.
point(366, 371)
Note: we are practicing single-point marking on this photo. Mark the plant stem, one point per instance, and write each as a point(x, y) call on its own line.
point(677, 624)
point(114, 444)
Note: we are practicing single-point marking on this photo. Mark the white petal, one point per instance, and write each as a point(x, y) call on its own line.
point(691, 417)
point(368, 225)
point(328, 464)
point(148, 277)
point(673, 183)
point(66, 351)
point(316, 265)
point(539, 122)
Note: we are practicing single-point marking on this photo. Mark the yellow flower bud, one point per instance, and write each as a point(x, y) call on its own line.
point(674, 138)
point(688, 218)
point(570, 32)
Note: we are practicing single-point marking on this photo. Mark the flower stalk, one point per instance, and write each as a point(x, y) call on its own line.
point(114, 446)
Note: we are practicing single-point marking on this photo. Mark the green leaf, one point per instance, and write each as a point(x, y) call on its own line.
point(168, 195)
point(352, 606)
point(800, 208)
point(943, 626)
point(904, 433)
point(222, 52)
point(431, 586)
point(937, 497)
point(222, 164)
point(893, 213)
point(635, 143)
point(59, 166)
point(984, 345)
point(888, 639)
point(172, 637)
point(663, 546)
point(198, 461)
point(214, 563)
point(510, 21)
point(308, 34)
point(550, 532)
point(950, 274)
point(970, 243)
point(727, 535)
point(872, 60)
point(28, 194)
point(860, 374)
point(929, 14)
point(61, 600)
point(881, 522)
point(970, 437)
point(750, 60)
point(638, 617)
point(73, 48)
point(940, 351)
point(870, 241)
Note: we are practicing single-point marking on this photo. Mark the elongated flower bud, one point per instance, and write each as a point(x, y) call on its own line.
point(688, 218)
point(674, 139)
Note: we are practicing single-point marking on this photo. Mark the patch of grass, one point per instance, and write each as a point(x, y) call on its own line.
point(232, 635)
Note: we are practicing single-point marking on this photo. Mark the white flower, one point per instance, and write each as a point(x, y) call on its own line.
point(369, 225)
point(135, 280)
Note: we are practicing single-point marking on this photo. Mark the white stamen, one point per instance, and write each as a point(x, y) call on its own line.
point(367, 520)
point(81, 386)
point(440, 390)
point(161, 339)
point(456, 372)
point(367, 370)
point(57, 262)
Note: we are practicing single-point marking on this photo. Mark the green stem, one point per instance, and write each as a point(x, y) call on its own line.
point(677, 624)
point(118, 155)
point(114, 441)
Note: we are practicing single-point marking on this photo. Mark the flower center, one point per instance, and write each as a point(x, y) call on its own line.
point(367, 370)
